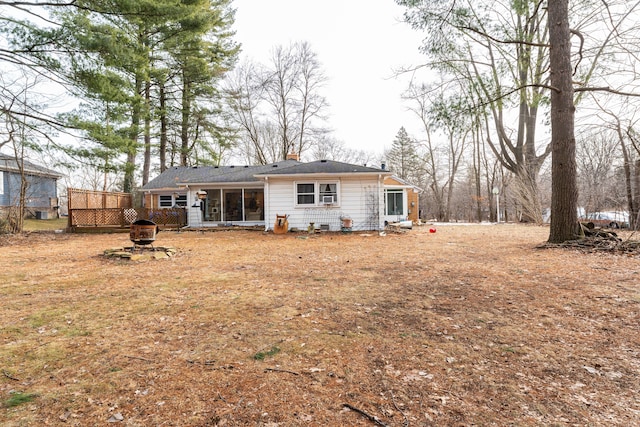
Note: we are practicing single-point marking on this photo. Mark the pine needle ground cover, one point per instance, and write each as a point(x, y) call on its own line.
point(471, 325)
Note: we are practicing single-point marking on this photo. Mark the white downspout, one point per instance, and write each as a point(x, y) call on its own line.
point(189, 208)
point(267, 204)
point(380, 204)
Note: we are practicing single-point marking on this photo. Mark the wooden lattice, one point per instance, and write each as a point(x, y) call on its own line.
point(96, 217)
point(89, 208)
point(167, 217)
point(125, 217)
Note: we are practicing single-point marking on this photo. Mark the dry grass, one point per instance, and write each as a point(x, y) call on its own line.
point(45, 224)
point(472, 325)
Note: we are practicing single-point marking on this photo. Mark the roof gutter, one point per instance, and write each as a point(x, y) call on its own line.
point(322, 175)
point(245, 184)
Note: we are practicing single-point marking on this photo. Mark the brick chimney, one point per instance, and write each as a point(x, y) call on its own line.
point(293, 156)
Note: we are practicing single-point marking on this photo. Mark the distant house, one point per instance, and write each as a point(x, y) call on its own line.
point(42, 193)
point(322, 192)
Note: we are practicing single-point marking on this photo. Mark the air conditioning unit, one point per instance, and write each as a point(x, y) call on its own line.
point(327, 200)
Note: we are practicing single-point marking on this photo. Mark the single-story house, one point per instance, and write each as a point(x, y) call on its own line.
point(322, 192)
point(42, 190)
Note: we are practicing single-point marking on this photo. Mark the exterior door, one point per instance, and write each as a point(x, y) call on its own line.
point(233, 208)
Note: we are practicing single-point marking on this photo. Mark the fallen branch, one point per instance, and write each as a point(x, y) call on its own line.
point(210, 363)
point(406, 419)
point(280, 370)
point(371, 418)
point(206, 362)
point(6, 374)
point(140, 358)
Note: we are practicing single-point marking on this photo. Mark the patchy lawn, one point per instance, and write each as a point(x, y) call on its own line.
point(45, 224)
point(471, 325)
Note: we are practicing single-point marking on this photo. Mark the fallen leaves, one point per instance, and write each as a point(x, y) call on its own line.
point(469, 325)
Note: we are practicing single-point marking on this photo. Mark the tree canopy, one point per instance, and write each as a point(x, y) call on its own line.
point(146, 71)
point(516, 63)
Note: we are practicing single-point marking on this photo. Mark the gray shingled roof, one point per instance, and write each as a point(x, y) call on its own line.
point(173, 177)
point(324, 167)
point(180, 175)
point(9, 163)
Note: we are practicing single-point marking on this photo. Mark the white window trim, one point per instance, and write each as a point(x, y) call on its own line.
point(1, 182)
point(386, 202)
point(174, 200)
point(296, 194)
point(316, 193)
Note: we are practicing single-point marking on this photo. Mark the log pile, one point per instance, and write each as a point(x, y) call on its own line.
point(596, 239)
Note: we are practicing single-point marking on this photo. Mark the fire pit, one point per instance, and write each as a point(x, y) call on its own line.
point(143, 232)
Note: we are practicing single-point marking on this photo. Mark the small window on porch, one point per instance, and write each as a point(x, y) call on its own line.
point(165, 201)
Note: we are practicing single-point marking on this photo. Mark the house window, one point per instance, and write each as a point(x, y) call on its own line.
point(166, 201)
point(170, 201)
point(306, 193)
point(1, 182)
point(316, 193)
point(328, 193)
point(395, 202)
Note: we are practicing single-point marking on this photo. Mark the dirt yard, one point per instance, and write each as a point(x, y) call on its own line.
point(468, 326)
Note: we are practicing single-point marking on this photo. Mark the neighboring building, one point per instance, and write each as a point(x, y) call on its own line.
point(42, 192)
point(323, 192)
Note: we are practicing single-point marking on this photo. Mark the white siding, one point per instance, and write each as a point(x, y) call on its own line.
point(194, 214)
point(360, 199)
point(279, 200)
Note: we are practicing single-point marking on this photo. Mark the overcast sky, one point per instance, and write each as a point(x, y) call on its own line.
point(360, 43)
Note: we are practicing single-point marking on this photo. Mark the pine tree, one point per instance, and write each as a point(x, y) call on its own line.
point(402, 158)
point(131, 61)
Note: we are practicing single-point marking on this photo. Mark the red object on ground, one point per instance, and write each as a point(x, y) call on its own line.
point(432, 230)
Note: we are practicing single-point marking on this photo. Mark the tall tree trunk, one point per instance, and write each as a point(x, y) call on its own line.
point(634, 220)
point(163, 126)
point(627, 174)
point(627, 179)
point(147, 133)
point(564, 192)
point(132, 149)
point(17, 225)
point(184, 129)
point(477, 167)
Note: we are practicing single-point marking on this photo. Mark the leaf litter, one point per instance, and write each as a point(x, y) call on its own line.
point(470, 325)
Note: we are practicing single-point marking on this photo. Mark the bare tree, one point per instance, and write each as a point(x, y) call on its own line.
point(500, 49)
point(17, 134)
point(330, 148)
point(596, 156)
point(245, 92)
point(284, 95)
point(517, 53)
point(446, 132)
